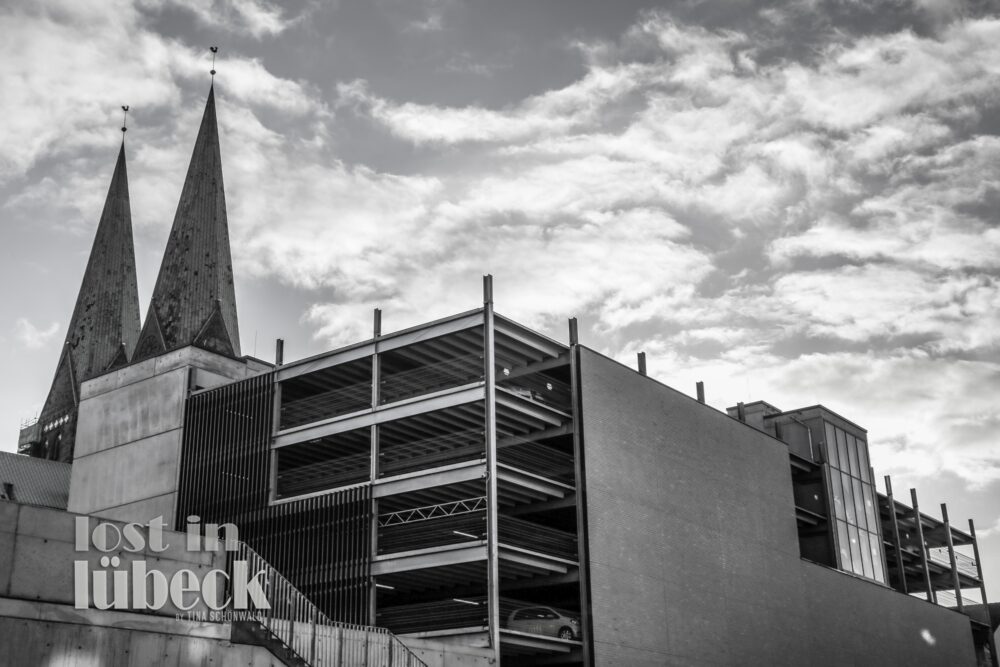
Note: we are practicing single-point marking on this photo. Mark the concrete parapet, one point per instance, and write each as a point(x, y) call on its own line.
point(129, 432)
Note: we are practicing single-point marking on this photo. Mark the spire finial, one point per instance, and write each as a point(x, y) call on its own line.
point(124, 119)
point(214, 50)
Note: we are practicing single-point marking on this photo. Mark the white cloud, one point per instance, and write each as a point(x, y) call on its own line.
point(31, 336)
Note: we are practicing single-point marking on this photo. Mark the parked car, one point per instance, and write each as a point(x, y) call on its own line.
point(544, 621)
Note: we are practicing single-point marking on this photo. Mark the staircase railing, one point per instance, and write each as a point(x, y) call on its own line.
point(313, 638)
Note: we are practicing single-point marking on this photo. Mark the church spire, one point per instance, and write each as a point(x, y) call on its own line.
point(104, 327)
point(194, 302)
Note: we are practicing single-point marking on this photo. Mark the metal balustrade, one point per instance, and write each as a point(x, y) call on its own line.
point(965, 564)
point(326, 404)
point(303, 629)
point(426, 378)
point(396, 458)
point(536, 537)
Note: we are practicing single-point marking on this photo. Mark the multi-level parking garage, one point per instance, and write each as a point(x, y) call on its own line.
point(457, 437)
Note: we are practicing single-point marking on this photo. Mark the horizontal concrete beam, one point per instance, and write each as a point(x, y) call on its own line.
point(433, 557)
point(425, 479)
point(448, 398)
point(382, 344)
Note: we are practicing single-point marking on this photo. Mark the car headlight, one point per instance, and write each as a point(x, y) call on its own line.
point(574, 621)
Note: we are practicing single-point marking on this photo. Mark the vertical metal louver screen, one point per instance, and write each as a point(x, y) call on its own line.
point(320, 544)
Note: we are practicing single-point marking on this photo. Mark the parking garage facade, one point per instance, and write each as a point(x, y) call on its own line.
point(422, 481)
point(473, 482)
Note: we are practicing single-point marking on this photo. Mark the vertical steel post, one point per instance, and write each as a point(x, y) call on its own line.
point(580, 479)
point(982, 591)
point(931, 597)
point(979, 565)
point(373, 475)
point(699, 388)
point(642, 363)
point(895, 533)
point(492, 500)
point(312, 642)
point(951, 556)
point(574, 332)
point(878, 526)
point(279, 352)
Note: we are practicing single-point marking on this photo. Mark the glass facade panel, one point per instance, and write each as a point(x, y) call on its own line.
point(866, 554)
point(877, 562)
point(852, 452)
point(854, 504)
point(866, 473)
point(856, 550)
point(844, 542)
point(831, 446)
point(849, 505)
point(838, 495)
point(870, 510)
point(859, 504)
point(842, 450)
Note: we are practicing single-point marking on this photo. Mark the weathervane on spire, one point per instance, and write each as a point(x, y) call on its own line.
point(124, 119)
point(214, 50)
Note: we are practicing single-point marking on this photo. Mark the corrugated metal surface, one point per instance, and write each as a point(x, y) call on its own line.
point(35, 481)
point(320, 544)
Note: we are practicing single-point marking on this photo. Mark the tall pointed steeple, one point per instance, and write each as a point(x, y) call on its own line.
point(104, 328)
point(194, 302)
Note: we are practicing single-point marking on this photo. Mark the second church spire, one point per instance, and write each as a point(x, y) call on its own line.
point(194, 300)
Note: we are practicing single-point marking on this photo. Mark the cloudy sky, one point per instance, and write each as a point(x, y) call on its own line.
point(797, 202)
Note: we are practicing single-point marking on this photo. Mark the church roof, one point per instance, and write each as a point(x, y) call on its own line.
point(104, 327)
point(194, 300)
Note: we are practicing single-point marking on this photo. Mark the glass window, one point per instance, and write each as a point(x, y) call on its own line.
point(877, 561)
point(852, 516)
point(838, 495)
point(842, 449)
point(852, 452)
point(866, 554)
point(859, 504)
point(831, 445)
point(866, 473)
point(844, 545)
point(871, 512)
point(859, 567)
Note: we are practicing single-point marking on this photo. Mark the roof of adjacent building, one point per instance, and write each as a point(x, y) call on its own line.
point(34, 481)
point(194, 300)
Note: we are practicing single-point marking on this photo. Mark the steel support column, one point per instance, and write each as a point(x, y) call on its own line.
point(895, 537)
point(374, 472)
point(931, 597)
point(951, 556)
point(492, 497)
point(982, 591)
point(580, 474)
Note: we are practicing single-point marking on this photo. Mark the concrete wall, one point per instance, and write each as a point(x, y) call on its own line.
point(128, 438)
point(33, 633)
point(37, 553)
point(693, 550)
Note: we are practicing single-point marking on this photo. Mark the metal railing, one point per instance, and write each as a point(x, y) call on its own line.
point(295, 622)
point(949, 599)
point(965, 564)
point(326, 404)
point(424, 379)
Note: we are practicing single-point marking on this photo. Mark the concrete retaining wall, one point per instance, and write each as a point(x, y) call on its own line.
point(37, 555)
point(33, 633)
